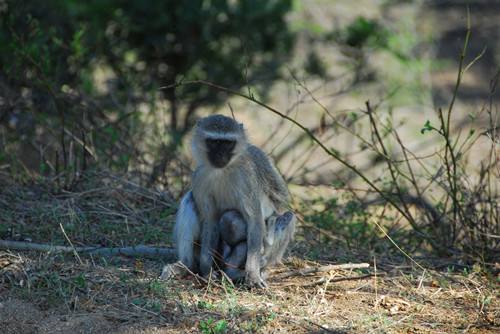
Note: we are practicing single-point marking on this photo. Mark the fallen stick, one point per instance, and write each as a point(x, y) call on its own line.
point(133, 251)
point(340, 279)
point(323, 269)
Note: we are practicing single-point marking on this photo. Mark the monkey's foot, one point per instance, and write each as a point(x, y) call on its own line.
point(264, 273)
point(214, 275)
point(173, 270)
point(255, 282)
point(284, 220)
point(235, 275)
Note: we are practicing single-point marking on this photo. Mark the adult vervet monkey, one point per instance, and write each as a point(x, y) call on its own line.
point(231, 175)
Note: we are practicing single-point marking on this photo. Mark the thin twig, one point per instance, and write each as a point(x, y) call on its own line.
point(150, 312)
point(340, 279)
point(323, 269)
point(71, 244)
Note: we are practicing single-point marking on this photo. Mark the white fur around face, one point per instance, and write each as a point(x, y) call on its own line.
point(199, 150)
point(223, 136)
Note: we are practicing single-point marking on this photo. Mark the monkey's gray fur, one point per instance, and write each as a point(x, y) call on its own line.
point(230, 174)
point(188, 232)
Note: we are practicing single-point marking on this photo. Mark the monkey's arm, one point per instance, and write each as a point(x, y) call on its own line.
point(209, 236)
point(209, 239)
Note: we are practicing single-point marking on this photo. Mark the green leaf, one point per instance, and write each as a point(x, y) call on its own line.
point(427, 127)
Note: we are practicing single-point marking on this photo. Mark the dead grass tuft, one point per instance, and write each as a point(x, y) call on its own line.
point(49, 293)
point(125, 296)
point(102, 209)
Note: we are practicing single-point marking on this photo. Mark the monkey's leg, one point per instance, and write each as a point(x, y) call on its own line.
point(270, 232)
point(235, 261)
point(269, 238)
point(233, 229)
point(233, 234)
point(256, 230)
point(284, 228)
point(187, 232)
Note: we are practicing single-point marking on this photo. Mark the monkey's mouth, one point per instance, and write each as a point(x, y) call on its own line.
point(220, 151)
point(220, 160)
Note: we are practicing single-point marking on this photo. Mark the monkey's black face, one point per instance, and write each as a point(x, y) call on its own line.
point(220, 151)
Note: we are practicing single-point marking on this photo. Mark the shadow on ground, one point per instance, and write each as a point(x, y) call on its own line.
point(450, 24)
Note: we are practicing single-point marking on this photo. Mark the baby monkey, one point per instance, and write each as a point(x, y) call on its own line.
point(233, 245)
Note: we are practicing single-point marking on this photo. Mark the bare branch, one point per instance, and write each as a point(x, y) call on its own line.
point(167, 254)
point(323, 269)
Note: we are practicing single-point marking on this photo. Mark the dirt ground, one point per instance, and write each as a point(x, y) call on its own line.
point(43, 292)
point(47, 294)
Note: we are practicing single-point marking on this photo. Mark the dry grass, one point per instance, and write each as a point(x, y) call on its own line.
point(50, 293)
point(126, 297)
point(100, 209)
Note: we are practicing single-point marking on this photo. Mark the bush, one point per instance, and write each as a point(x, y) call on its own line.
point(86, 74)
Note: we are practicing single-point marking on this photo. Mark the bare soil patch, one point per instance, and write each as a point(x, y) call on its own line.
point(56, 293)
point(45, 294)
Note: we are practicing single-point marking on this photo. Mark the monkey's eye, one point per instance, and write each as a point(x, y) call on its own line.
point(221, 144)
point(229, 144)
